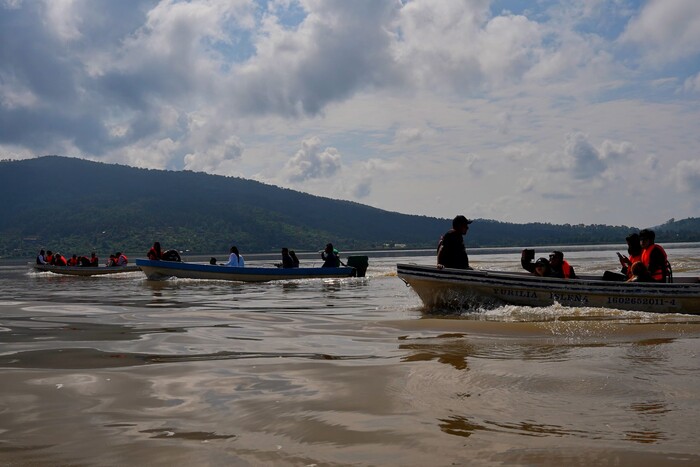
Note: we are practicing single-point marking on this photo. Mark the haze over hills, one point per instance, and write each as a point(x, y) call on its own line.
point(75, 205)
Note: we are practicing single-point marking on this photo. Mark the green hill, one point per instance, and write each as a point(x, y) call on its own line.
point(74, 205)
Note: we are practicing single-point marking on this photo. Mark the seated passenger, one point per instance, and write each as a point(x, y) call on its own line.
point(73, 261)
point(639, 273)
point(155, 253)
point(121, 260)
point(112, 261)
point(654, 257)
point(94, 260)
point(539, 268)
point(634, 250)
point(330, 257)
point(41, 257)
point(560, 267)
point(287, 261)
point(49, 257)
point(59, 260)
point(295, 260)
point(84, 261)
point(235, 259)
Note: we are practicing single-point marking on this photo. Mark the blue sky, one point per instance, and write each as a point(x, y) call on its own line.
point(551, 111)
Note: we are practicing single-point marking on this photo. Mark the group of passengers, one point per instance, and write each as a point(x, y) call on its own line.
point(330, 256)
point(57, 259)
point(646, 261)
point(289, 259)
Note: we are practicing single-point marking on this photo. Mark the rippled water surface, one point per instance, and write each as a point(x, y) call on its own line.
point(120, 370)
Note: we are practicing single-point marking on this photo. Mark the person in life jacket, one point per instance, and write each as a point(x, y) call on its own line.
point(59, 260)
point(122, 260)
point(560, 267)
point(73, 261)
point(654, 257)
point(155, 252)
point(94, 260)
point(634, 250)
point(49, 257)
point(639, 273)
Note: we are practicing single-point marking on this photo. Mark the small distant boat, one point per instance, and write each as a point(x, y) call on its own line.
point(466, 289)
point(84, 270)
point(156, 270)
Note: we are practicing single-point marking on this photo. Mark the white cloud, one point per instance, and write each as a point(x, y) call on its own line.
point(312, 162)
point(417, 96)
point(216, 159)
point(585, 161)
point(666, 30)
point(687, 174)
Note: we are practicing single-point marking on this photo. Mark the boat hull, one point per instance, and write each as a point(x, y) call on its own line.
point(465, 289)
point(83, 270)
point(156, 270)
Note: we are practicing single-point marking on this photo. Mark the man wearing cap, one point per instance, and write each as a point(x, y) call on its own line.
point(560, 267)
point(654, 256)
point(451, 250)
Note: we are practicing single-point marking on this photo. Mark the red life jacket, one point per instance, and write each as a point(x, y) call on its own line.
point(566, 269)
point(48, 259)
point(633, 259)
point(123, 262)
point(60, 261)
point(73, 262)
point(661, 273)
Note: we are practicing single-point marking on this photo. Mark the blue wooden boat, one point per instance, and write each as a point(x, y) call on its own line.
point(156, 270)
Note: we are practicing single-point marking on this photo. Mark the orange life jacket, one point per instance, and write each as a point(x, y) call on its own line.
point(661, 273)
point(60, 261)
point(73, 262)
point(566, 269)
point(119, 260)
point(633, 259)
point(48, 258)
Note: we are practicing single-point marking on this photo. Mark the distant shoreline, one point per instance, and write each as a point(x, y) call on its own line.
point(386, 253)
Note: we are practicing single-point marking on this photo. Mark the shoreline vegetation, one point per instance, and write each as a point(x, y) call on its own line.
point(77, 206)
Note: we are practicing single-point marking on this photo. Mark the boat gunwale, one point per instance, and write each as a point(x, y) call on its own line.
point(156, 268)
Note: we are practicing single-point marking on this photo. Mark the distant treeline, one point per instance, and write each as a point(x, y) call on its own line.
point(77, 206)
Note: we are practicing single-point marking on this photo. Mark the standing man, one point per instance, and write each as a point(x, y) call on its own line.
point(654, 257)
point(451, 250)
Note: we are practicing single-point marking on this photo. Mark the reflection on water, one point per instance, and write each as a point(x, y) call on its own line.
point(337, 372)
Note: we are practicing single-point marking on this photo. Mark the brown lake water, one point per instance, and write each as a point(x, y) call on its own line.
point(124, 371)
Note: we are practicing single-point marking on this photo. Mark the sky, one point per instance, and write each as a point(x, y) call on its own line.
point(554, 111)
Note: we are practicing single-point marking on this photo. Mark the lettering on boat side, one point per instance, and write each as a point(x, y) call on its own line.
point(515, 293)
point(641, 301)
point(569, 297)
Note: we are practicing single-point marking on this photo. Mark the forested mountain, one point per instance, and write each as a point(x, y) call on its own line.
point(74, 205)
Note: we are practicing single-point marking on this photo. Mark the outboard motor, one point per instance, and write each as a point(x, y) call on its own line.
point(360, 264)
